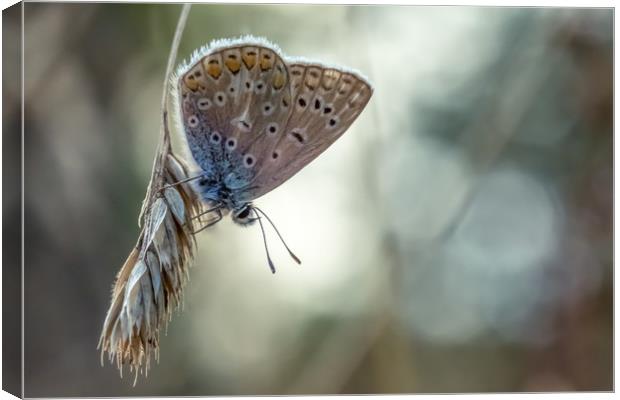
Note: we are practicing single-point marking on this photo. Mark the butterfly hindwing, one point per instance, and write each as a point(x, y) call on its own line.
point(230, 98)
point(325, 102)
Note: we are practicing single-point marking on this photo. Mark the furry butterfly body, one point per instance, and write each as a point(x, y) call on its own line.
point(252, 118)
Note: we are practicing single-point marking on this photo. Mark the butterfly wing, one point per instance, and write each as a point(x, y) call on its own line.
point(325, 102)
point(229, 95)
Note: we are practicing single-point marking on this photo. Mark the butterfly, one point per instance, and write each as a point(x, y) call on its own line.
point(252, 118)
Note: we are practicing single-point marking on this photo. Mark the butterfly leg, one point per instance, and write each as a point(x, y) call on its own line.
point(166, 186)
point(217, 219)
point(207, 211)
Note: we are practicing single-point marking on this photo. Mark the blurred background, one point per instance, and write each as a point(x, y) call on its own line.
point(457, 239)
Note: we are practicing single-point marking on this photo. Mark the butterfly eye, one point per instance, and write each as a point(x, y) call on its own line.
point(220, 98)
point(244, 213)
point(242, 217)
point(203, 103)
point(192, 121)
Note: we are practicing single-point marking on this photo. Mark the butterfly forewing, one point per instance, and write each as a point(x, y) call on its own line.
point(325, 102)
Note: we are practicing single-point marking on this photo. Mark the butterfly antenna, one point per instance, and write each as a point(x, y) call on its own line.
point(273, 268)
point(293, 256)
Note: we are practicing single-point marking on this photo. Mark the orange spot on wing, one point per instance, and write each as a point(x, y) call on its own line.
point(266, 62)
point(249, 59)
point(233, 65)
point(278, 80)
point(330, 77)
point(312, 78)
point(190, 81)
point(214, 71)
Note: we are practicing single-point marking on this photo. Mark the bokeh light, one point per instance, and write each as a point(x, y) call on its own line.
point(457, 238)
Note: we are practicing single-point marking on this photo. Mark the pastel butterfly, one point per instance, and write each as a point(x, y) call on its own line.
point(252, 118)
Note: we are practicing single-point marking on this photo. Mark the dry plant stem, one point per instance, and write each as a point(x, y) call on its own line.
point(164, 144)
point(149, 286)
